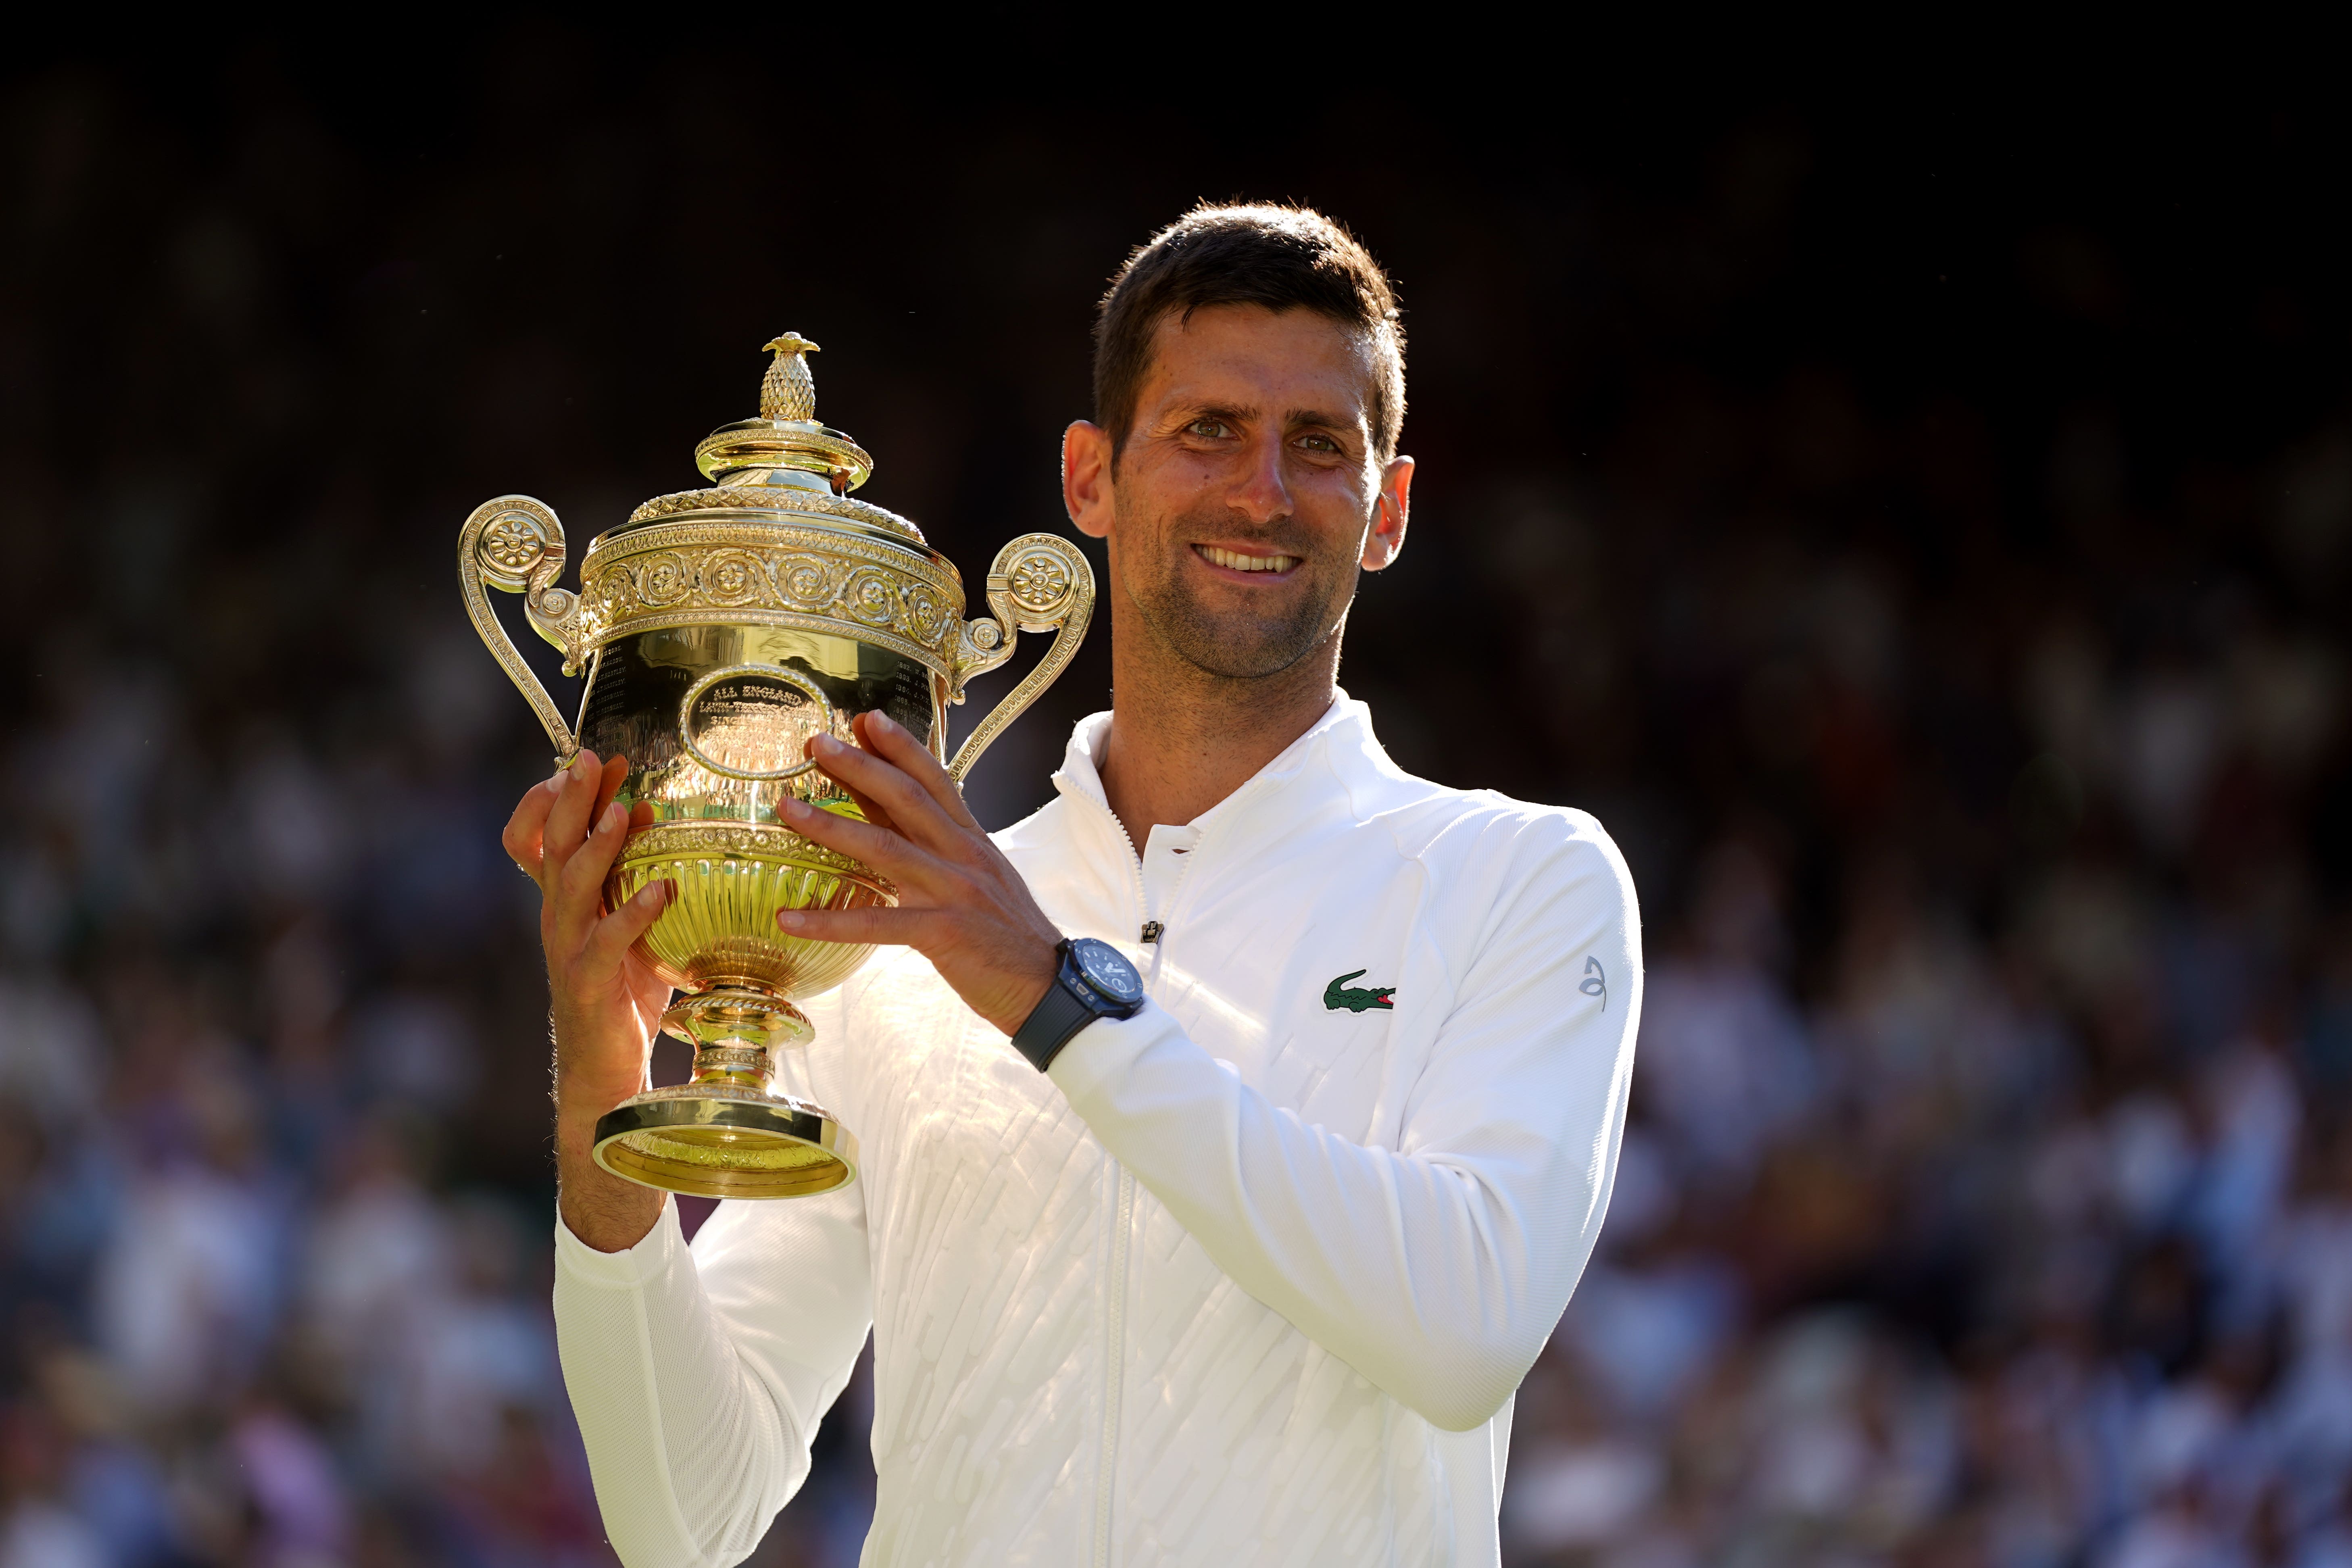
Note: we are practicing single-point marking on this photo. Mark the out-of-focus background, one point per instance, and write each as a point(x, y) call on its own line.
point(1921, 532)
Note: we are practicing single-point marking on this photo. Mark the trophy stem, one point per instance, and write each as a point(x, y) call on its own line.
point(735, 1029)
point(724, 1133)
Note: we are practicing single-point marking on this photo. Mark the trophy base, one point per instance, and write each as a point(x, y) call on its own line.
point(723, 1134)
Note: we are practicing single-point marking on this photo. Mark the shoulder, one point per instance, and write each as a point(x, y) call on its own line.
point(1484, 840)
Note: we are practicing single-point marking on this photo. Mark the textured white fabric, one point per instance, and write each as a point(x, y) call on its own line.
point(1248, 1279)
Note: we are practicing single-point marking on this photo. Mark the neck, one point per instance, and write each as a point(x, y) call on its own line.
point(1182, 739)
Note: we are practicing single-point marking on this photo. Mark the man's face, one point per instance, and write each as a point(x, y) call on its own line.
point(1248, 494)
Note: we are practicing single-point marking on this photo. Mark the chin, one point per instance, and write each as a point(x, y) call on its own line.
point(1235, 653)
point(1220, 638)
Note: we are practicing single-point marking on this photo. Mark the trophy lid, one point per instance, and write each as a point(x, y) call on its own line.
point(778, 461)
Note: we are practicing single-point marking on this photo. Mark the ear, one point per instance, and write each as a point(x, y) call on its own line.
point(1086, 488)
point(1386, 537)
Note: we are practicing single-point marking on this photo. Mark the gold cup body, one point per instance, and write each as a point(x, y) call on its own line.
point(720, 630)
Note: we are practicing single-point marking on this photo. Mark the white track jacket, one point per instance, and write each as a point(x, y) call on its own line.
point(1250, 1278)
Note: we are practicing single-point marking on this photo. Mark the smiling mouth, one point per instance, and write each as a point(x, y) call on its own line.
point(1235, 561)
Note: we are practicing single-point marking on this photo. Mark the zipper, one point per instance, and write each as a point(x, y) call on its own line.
point(1134, 856)
point(1115, 1369)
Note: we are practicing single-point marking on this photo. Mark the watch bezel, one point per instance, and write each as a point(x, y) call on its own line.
point(1082, 949)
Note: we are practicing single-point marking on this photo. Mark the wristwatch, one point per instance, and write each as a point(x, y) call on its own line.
point(1095, 981)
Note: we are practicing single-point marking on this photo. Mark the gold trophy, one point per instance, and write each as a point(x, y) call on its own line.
point(721, 629)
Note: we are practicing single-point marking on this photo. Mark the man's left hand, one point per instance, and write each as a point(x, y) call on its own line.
point(961, 903)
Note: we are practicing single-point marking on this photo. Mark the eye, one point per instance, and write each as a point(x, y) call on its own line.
point(1209, 430)
point(1319, 444)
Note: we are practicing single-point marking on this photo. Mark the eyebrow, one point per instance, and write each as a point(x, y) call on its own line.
point(1295, 417)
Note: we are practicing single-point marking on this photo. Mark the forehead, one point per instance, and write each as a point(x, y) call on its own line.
point(1275, 362)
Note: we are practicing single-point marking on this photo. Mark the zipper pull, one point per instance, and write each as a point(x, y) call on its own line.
point(1152, 930)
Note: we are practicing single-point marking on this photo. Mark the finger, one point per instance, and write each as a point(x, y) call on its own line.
point(884, 850)
point(609, 942)
point(580, 885)
point(905, 928)
point(527, 825)
point(616, 773)
point(574, 800)
point(912, 810)
point(871, 809)
point(894, 742)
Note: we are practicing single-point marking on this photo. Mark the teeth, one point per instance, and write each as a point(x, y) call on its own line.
point(1240, 563)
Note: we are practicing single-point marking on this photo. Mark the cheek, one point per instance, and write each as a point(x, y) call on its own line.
point(1337, 507)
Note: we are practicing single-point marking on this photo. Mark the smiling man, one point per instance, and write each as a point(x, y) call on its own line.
point(1233, 1129)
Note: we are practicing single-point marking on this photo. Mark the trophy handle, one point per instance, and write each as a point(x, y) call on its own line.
point(1039, 582)
point(515, 543)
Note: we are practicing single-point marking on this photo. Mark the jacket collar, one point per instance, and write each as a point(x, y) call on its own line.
point(1323, 761)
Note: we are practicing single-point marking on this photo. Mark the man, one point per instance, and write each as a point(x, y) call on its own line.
point(1234, 1256)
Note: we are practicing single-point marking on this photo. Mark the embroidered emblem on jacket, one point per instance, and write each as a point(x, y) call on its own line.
point(1355, 999)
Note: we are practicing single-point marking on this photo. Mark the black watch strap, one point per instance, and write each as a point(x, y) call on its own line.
point(1058, 1016)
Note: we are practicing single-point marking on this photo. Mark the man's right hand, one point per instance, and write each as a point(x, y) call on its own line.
point(606, 1003)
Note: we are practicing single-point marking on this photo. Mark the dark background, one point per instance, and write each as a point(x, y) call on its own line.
point(1918, 528)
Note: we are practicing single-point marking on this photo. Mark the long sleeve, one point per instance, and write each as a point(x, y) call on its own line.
point(1438, 1268)
point(700, 1374)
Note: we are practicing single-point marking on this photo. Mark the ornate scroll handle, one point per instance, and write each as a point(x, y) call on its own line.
point(1039, 582)
point(516, 543)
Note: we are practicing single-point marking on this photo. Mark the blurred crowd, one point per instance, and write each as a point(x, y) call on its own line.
point(1988, 1199)
point(1973, 716)
point(247, 1323)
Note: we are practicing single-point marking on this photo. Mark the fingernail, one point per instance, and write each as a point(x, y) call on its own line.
point(615, 817)
point(581, 768)
point(555, 782)
point(795, 808)
point(825, 745)
point(791, 920)
point(880, 721)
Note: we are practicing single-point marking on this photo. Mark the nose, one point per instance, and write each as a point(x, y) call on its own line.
point(1261, 492)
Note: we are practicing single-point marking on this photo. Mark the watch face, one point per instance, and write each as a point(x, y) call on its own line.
point(1106, 970)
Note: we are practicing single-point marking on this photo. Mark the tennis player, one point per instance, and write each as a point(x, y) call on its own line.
point(1233, 1129)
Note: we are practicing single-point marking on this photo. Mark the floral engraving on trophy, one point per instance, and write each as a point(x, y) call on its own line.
point(686, 576)
point(867, 596)
point(925, 618)
point(731, 577)
point(664, 579)
point(1040, 581)
point(806, 581)
point(513, 543)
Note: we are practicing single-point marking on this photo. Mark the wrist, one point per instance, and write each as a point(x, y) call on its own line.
point(1026, 993)
point(1092, 981)
point(605, 1211)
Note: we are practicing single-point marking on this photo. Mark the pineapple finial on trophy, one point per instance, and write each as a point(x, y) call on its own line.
point(784, 447)
point(789, 391)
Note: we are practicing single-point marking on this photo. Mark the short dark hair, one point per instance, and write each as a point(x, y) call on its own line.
point(1282, 257)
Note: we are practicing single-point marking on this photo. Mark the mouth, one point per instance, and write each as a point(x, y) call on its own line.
point(1244, 563)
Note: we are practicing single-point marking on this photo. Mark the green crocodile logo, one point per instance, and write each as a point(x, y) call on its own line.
point(1339, 994)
